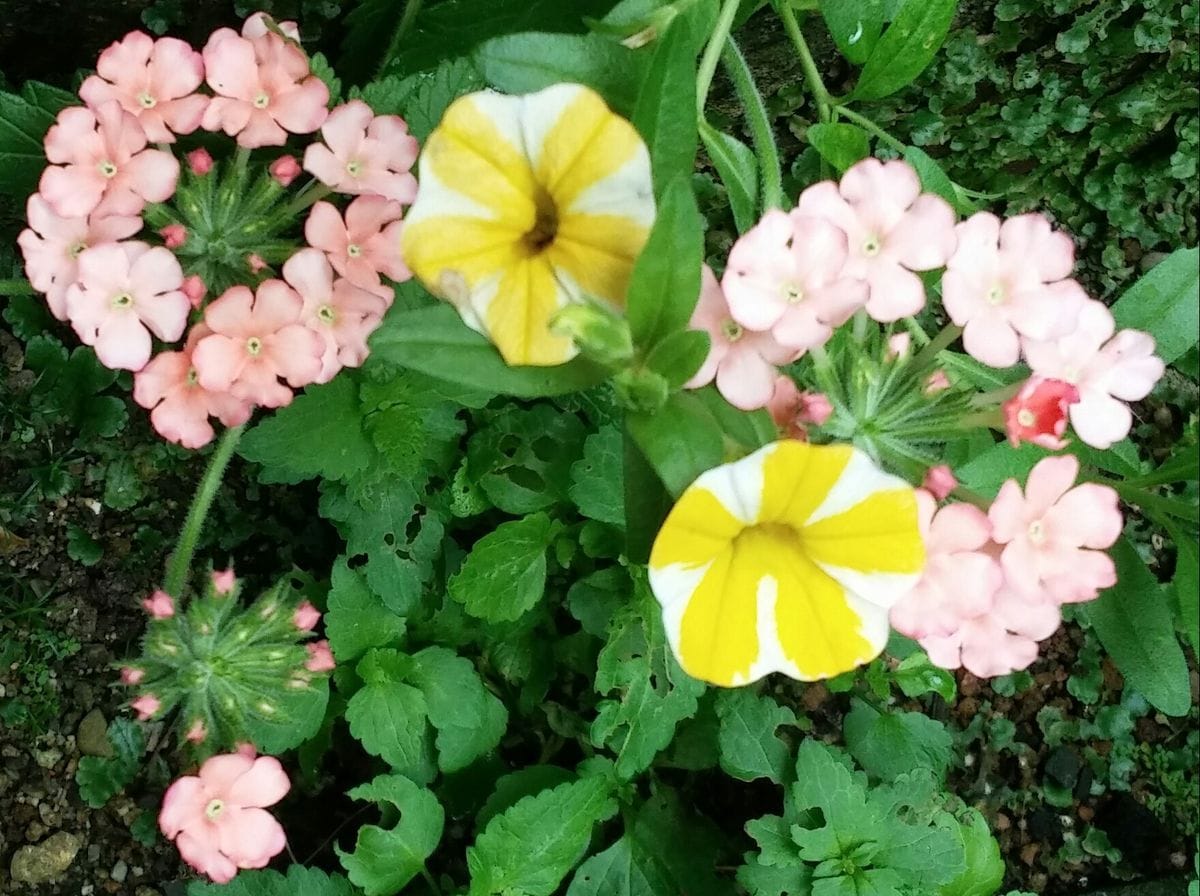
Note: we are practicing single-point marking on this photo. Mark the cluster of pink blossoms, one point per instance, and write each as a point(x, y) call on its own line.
point(861, 244)
point(256, 342)
point(995, 582)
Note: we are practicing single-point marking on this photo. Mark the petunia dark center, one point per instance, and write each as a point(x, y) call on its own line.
point(545, 224)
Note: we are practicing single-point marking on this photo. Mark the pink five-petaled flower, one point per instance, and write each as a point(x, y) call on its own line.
point(265, 89)
point(742, 361)
point(153, 80)
point(99, 164)
point(145, 706)
point(223, 581)
point(1002, 640)
point(285, 169)
point(960, 578)
point(940, 481)
point(218, 818)
point(131, 675)
point(342, 314)
point(51, 246)
point(179, 406)
point(1108, 371)
point(320, 657)
point(159, 605)
point(892, 229)
point(200, 161)
point(1038, 413)
point(125, 292)
point(785, 275)
point(306, 617)
point(1009, 280)
point(363, 246)
point(365, 153)
point(256, 339)
point(1054, 535)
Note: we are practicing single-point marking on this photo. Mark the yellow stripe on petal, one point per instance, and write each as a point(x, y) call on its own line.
point(518, 316)
point(879, 534)
point(797, 477)
point(597, 252)
point(587, 144)
point(471, 248)
point(718, 637)
point(697, 530)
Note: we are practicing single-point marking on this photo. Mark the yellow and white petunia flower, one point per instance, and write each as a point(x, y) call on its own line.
point(527, 204)
point(785, 561)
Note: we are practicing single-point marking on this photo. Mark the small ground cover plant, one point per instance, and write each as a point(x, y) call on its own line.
point(612, 504)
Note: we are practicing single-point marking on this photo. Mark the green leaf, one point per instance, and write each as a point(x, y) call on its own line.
point(385, 860)
point(81, 547)
point(679, 355)
point(528, 781)
point(24, 121)
point(665, 284)
point(990, 469)
point(681, 441)
point(422, 98)
point(917, 676)
point(470, 719)
point(825, 782)
point(1134, 623)
point(102, 778)
point(665, 113)
point(1187, 585)
point(841, 145)
point(322, 69)
point(935, 180)
point(357, 619)
point(598, 478)
point(318, 434)
point(984, 871)
point(300, 881)
point(906, 48)
point(531, 846)
point(528, 62)
point(652, 694)
point(737, 167)
point(1166, 304)
point(436, 342)
point(647, 501)
point(749, 746)
point(889, 744)
point(389, 716)
point(504, 576)
point(855, 26)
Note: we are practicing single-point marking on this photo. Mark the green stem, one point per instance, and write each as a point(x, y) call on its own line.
point(759, 124)
point(820, 93)
point(712, 53)
point(309, 196)
point(180, 561)
point(926, 356)
point(411, 9)
point(429, 879)
point(17, 287)
point(997, 396)
point(868, 125)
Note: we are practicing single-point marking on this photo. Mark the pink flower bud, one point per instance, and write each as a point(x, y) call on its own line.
point(814, 408)
point(939, 482)
point(194, 288)
point(245, 748)
point(223, 581)
point(146, 706)
point(255, 262)
point(1038, 413)
point(200, 161)
point(285, 169)
point(898, 347)
point(197, 732)
point(131, 675)
point(784, 406)
point(320, 657)
point(174, 235)
point(937, 382)
point(306, 617)
point(159, 605)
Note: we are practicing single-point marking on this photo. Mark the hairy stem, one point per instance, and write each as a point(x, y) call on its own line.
point(712, 53)
point(820, 93)
point(758, 123)
point(928, 355)
point(180, 561)
point(866, 124)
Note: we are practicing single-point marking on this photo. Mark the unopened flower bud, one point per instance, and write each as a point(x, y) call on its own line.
point(641, 390)
point(898, 347)
point(145, 706)
point(197, 732)
point(222, 581)
point(193, 287)
point(320, 657)
point(814, 408)
point(174, 235)
point(306, 617)
point(940, 481)
point(255, 262)
point(1038, 413)
point(600, 334)
point(200, 161)
point(285, 169)
point(131, 675)
point(937, 382)
point(159, 605)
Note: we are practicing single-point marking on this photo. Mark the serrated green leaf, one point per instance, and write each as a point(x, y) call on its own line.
point(1134, 623)
point(357, 620)
point(1166, 304)
point(383, 861)
point(298, 882)
point(322, 69)
point(749, 746)
point(983, 873)
point(24, 121)
point(771, 880)
point(504, 576)
point(888, 744)
point(530, 847)
point(906, 48)
point(841, 145)
point(511, 788)
point(102, 778)
point(319, 434)
point(81, 547)
point(422, 98)
point(469, 719)
point(598, 479)
point(389, 717)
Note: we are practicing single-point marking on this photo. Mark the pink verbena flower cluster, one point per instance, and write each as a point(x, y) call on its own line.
point(202, 277)
point(995, 582)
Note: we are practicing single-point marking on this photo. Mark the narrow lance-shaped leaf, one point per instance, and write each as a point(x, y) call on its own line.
point(906, 48)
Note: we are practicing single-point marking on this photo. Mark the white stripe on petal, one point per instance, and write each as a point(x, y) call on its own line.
point(540, 112)
point(739, 486)
point(626, 192)
point(879, 589)
point(858, 481)
point(435, 199)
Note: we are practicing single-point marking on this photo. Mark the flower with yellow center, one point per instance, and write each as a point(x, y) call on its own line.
point(785, 561)
point(527, 204)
